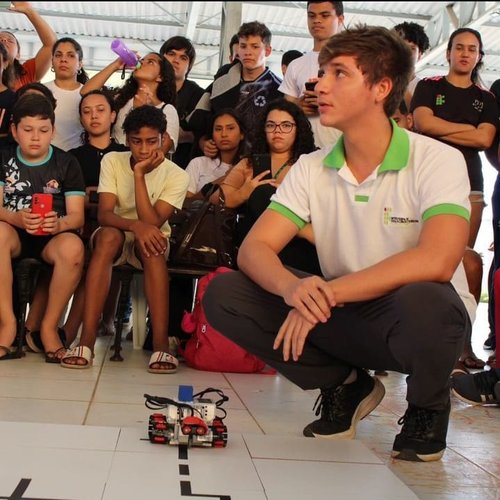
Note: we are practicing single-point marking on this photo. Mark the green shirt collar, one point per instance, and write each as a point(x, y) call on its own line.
point(396, 157)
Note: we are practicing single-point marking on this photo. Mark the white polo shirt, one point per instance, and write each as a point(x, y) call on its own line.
point(357, 224)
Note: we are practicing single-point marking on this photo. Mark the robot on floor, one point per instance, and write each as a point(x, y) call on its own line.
point(191, 420)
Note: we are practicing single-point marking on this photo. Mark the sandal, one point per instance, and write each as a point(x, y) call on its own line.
point(81, 352)
point(55, 356)
point(7, 353)
point(163, 359)
point(472, 362)
point(34, 339)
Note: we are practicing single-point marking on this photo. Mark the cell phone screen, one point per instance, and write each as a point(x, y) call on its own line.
point(261, 162)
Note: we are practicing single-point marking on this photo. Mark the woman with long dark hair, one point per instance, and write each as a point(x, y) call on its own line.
point(282, 134)
point(67, 65)
point(34, 69)
point(152, 82)
point(458, 111)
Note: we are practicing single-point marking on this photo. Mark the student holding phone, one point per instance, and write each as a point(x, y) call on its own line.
point(282, 134)
point(28, 173)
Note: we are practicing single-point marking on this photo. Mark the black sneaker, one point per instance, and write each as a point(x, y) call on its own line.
point(344, 406)
point(476, 388)
point(423, 435)
point(490, 343)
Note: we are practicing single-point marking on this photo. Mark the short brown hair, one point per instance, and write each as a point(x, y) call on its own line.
point(255, 28)
point(379, 53)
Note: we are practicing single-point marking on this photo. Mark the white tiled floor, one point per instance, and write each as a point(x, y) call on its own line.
point(82, 434)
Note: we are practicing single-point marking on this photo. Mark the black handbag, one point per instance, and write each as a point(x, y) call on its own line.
point(204, 234)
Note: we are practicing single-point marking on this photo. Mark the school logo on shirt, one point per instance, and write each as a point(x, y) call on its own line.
point(440, 100)
point(478, 105)
point(391, 220)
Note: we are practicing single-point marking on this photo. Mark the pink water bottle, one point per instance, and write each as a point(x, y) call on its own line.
point(126, 55)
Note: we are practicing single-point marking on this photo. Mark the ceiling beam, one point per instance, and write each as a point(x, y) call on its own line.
point(349, 10)
point(192, 19)
point(439, 49)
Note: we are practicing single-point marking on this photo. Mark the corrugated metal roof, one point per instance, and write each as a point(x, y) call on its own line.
point(145, 26)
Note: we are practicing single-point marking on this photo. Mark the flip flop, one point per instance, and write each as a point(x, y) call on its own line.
point(53, 356)
point(34, 339)
point(8, 354)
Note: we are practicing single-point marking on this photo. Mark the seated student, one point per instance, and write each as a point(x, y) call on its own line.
point(7, 100)
point(181, 54)
point(288, 57)
point(37, 167)
point(414, 35)
point(228, 134)
point(282, 134)
point(37, 88)
point(138, 192)
point(234, 58)
point(247, 86)
point(403, 117)
point(151, 83)
point(390, 212)
point(69, 77)
point(98, 115)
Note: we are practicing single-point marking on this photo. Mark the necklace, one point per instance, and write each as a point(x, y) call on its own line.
point(275, 176)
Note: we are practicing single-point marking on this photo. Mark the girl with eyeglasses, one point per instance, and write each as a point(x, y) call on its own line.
point(282, 134)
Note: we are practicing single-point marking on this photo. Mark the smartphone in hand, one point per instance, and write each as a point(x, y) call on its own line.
point(261, 162)
point(41, 204)
point(310, 85)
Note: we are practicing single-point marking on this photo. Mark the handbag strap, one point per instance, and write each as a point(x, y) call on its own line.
point(194, 223)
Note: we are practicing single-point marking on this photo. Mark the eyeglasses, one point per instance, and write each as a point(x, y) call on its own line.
point(285, 127)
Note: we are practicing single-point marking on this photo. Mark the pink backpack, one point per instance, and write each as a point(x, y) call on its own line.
point(207, 349)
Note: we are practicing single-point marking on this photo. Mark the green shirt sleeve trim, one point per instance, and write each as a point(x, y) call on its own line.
point(286, 212)
point(446, 209)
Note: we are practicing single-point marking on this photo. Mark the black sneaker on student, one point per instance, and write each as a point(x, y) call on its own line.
point(344, 406)
point(476, 388)
point(423, 435)
point(490, 343)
